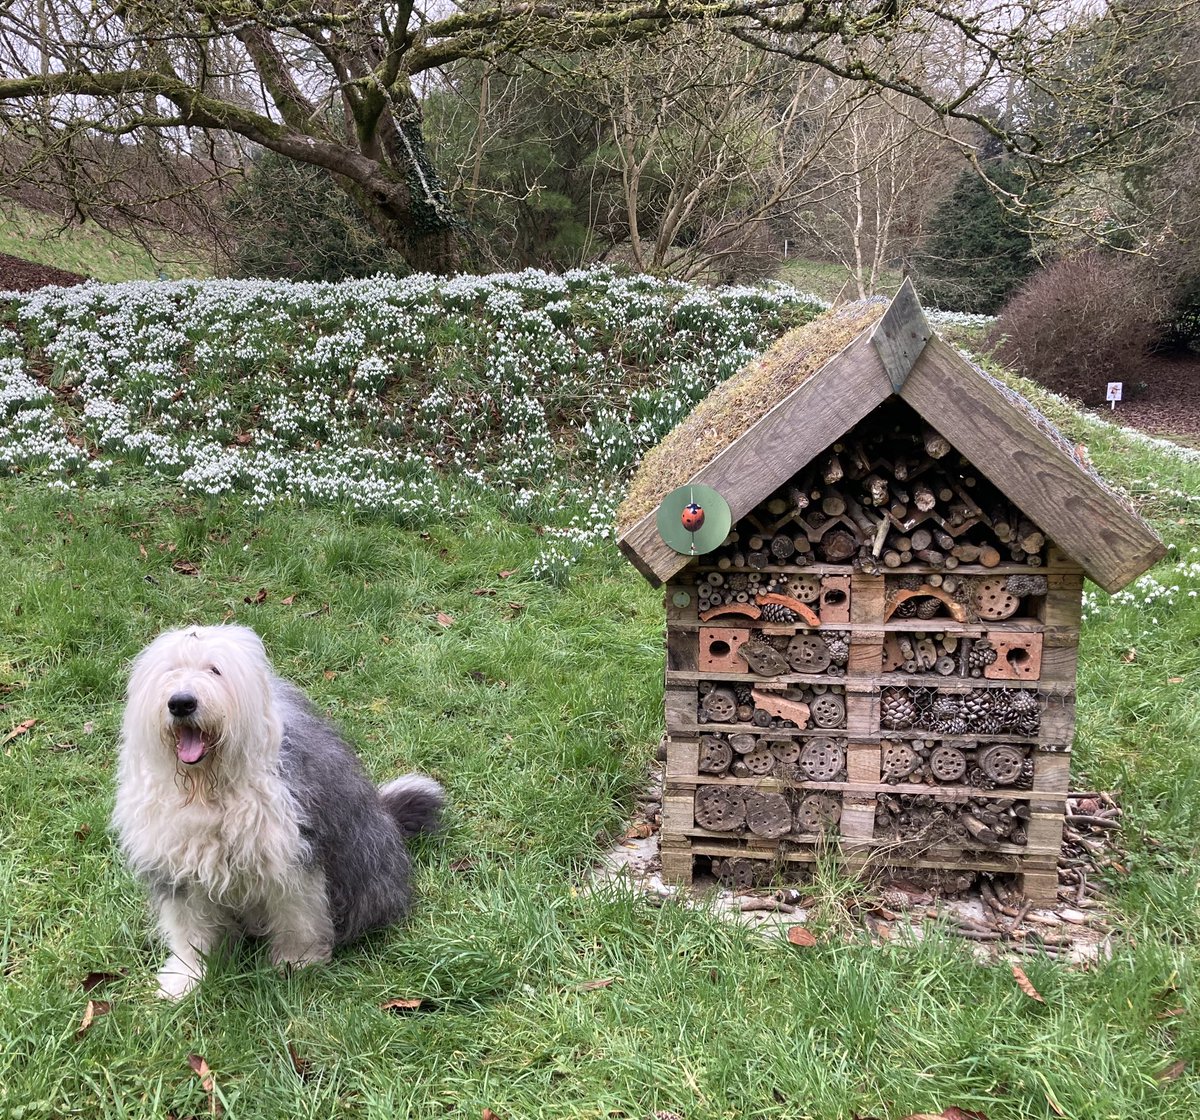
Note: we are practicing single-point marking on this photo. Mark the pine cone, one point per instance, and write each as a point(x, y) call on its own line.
point(838, 645)
point(907, 609)
point(1022, 700)
point(928, 607)
point(777, 612)
point(896, 708)
point(978, 705)
point(1028, 725)
point(982, 654)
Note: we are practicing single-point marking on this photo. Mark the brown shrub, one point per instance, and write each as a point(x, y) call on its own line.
point(1078, 324)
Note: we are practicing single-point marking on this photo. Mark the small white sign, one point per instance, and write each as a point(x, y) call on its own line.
point(1114, 393)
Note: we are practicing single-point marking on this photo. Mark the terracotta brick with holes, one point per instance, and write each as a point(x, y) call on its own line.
point(881, 653)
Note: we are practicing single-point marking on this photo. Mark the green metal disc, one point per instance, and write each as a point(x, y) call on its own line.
point(715, 522)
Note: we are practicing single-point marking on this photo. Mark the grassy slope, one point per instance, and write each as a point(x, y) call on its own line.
point(89, 251)
point(539, 709)
point(829, 280)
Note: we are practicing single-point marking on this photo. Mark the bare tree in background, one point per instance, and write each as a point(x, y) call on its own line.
point(875, 183)
point(336, 83)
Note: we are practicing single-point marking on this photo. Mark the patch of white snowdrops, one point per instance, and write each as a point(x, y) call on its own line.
point(404, 397)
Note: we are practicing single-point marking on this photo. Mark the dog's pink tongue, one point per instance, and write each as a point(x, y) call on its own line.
point(190, 747)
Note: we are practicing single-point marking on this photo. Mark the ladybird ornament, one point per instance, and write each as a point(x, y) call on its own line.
point(693, 519)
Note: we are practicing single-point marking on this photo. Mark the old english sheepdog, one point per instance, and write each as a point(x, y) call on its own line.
point(244, 812)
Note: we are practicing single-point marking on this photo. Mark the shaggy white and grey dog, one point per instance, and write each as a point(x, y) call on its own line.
point(244, 812)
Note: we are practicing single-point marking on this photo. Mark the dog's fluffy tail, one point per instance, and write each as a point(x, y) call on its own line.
point(415, 803)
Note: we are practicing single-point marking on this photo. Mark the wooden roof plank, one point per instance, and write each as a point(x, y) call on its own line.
point(901, 334)
point(782, 442)
point(1002, 440)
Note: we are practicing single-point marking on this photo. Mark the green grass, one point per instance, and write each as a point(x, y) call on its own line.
point(830, 280)
point(90, 250)
point(539, 709)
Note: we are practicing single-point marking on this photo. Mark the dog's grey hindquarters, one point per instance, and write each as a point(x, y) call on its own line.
point(415, 803)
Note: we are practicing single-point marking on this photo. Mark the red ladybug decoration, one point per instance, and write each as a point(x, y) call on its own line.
point(692, 517)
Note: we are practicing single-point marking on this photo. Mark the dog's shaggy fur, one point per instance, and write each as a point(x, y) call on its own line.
point(244, 812)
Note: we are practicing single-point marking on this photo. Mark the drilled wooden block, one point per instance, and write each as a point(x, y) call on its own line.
point(718, 648)
point(1018, 657)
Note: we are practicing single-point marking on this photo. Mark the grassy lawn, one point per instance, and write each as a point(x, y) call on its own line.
point(829, 280)
point(539, 707)
point(89, 251)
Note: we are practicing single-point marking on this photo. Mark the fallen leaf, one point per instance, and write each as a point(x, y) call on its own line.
point(488, 1114)
point(95, 1008)
point(259, 597)
point(1171, 1013)
point(516, 608)
point(801, 935)
point(444, 619)
point(1129, 656)
point(329, 674)
point(639, 831)
point(19, 730)
point(464, 864)
point(83, 832)
point(200, 1069)
point(484, 591)
point(506, 574)
point(186, 568)
point(288, 601)
point(399, 1006)
point(299, 1064)
point(244, 438)
point(95, 979)
point(142, 552)
point(953, 1113)
point(1175, 680)
point(1023, 982)
point(1174, 1070)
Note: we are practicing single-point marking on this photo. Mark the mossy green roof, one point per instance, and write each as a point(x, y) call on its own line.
point(734, 406)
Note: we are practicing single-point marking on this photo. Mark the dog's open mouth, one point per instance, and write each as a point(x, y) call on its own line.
point(190, 744)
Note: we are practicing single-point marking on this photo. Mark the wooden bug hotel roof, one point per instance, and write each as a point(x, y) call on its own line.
point(757, 430)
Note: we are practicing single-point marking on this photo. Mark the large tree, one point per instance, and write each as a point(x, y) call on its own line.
point(89, 76)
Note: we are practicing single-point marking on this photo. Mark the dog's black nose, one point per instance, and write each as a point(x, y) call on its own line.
point(181, 704)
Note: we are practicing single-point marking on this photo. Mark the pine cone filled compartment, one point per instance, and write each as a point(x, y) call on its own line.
point(978, 711)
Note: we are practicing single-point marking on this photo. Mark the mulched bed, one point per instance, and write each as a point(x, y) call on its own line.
point(1170, 402)
point(17, 275)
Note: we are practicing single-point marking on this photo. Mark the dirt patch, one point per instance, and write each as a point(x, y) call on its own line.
point(17, 275)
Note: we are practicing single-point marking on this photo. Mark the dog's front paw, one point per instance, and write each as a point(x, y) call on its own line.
point(176, 978)
point(290, 954)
